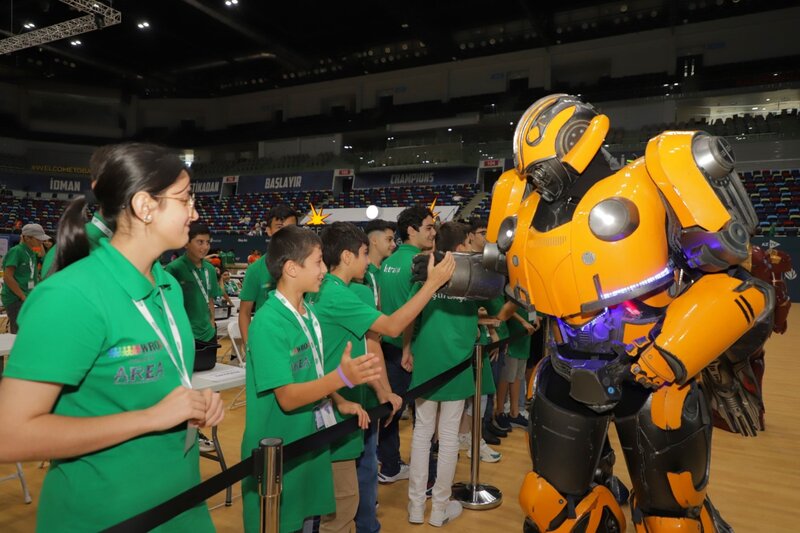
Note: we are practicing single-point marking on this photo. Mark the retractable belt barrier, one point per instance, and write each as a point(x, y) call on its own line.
point(184, 501)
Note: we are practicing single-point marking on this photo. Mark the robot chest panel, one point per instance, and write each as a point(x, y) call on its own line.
point(595, 260)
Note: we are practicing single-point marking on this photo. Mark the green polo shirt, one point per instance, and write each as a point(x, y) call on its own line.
point(194, 281)
point(257, 284)
point(109, 360)
point(278, 355)
point(395, 283)
point(25, 262)
point(367, 297)
point(371, 281)
point(446, 335)
point(96, 230)
point(521, 347)
point(344, 317)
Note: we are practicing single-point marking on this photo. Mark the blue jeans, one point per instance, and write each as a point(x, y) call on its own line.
point(389, 436)
point(367, 471)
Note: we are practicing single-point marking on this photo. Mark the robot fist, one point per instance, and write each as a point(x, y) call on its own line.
point(652, 370)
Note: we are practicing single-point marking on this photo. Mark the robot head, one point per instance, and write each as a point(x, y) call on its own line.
point(555, 140)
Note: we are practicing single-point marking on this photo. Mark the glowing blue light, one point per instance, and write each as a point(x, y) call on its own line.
point(667, 271)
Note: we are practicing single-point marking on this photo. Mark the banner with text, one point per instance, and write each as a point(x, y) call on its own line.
point(207, 187)
point(412, 178)
point(319, 180)
point(36, 183)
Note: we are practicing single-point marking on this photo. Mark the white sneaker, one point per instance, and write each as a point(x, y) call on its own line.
point(488, 455)
point(464, 441)
point(416, 514)
point(401, 474)
point(440, 517)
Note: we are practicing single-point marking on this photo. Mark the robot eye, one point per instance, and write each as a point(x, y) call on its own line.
point(505, 237)
point(613, 219)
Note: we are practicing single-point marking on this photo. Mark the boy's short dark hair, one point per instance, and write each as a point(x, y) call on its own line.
point(292, 243)
point(450, 235)
point(412, 217)
point(281, 212)
point(198, 228)
point(337, 238)
point(379, 225)
point(477, 223)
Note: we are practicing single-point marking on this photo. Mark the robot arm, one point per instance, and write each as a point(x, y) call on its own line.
point(700, 325)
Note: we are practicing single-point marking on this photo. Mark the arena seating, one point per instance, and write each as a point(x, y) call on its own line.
point(44, 212)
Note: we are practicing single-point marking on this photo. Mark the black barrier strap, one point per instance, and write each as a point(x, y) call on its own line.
point(171, 508)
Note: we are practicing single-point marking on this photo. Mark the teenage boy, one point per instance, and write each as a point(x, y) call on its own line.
point(258, 282)
point(417, 231)
point(345, 317)
point(198, 279)
point(20, 273)
point(448, 327)
point(288, 389)
point(381, 245)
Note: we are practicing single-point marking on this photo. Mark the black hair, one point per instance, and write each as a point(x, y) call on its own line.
point(281, 212)
point(379, 225)
point(291, 243)
point(450, 235)
point(337, 238)
point(477, 223)
point(120, 171)
point(412, 217)
point(198, 228)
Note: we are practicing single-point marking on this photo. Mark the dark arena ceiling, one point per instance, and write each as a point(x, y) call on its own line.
point(202, 48)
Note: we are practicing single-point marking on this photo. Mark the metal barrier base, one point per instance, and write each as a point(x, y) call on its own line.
point(477, 497)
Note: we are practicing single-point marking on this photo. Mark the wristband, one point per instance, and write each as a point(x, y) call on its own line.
point(344, 378)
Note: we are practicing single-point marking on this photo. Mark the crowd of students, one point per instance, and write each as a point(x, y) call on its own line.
point(333, 325)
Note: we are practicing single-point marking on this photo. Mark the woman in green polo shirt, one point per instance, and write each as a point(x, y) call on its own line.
point(106, 394)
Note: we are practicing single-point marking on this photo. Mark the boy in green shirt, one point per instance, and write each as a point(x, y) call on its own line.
point(448, 328)
point(258, 282)
point(198, 280)
point(417, 231)
point(345, 317)
point(20, 272)
point(288, 389)
point(381, 245)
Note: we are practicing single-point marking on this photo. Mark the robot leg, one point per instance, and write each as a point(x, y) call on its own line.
point(566, 443)
point(667, 446)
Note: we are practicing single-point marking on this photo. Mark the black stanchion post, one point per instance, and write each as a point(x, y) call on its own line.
point(474, 495)
point(270, 477)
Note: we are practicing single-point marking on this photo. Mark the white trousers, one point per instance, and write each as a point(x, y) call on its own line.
point(449, 418)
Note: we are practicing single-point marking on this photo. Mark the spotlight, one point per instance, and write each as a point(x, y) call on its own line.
point(143, 25)
point(372, 212)
point(75, 42)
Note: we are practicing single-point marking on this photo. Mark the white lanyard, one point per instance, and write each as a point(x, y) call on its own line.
point(96, 222)
point(317, 330)
point(176, 336)
point(202, 288)
point(33, 269)
point(374, 289)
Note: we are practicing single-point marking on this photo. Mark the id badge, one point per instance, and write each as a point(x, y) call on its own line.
point(30, 284)
point(323, 415)
point(191, 438)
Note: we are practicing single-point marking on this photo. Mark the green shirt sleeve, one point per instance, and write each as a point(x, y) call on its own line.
point(348, 311)
point(271, 351)
point(250, 285)
point(75, 332)
point(14, 258)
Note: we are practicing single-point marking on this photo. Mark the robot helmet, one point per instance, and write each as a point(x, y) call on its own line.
point(555, 140)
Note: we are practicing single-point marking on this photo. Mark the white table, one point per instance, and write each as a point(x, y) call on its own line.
point(221, 377)
point(6, 343)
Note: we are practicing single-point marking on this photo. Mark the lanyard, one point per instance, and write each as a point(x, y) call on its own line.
point(176, 336)
point(96, 222)
point(374, 289)
point(200, 283)
point(317, 331)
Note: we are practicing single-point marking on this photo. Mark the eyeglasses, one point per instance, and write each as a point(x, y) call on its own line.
point(188, 202)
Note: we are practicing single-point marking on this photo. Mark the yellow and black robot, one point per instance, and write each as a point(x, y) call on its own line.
point(637, 269)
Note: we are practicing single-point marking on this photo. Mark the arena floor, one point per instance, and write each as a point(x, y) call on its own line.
point(754, 482)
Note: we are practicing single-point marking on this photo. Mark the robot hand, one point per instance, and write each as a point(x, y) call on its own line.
point(652, 370)
point(470, 280)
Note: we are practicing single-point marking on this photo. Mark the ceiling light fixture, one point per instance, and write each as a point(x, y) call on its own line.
point(75, 42)
point(143, 25)
point(29, 25)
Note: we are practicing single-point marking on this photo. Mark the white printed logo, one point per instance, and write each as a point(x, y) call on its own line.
point(792, 274)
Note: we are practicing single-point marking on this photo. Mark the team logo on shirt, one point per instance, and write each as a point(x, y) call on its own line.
point(133, 350)
point(136, 374)
point(391, 270)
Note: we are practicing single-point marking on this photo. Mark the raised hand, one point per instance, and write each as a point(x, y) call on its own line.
point(360, 370)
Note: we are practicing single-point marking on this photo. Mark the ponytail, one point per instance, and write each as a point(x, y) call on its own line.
point(72, 244)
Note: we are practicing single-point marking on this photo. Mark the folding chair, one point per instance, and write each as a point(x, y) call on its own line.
point(26, 495)
point(235, 336)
